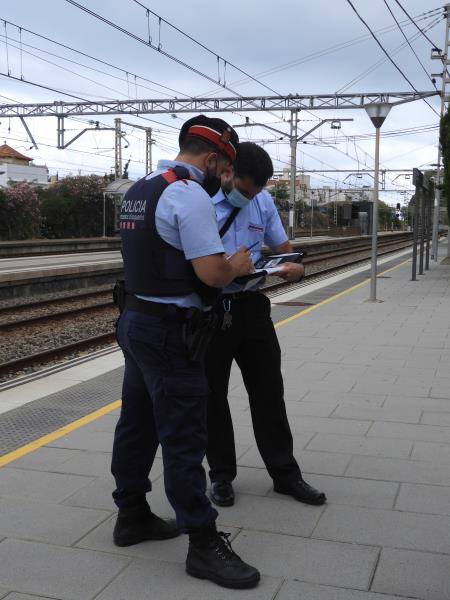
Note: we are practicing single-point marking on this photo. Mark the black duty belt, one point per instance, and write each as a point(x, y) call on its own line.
point(171, 311)
point(239, 295)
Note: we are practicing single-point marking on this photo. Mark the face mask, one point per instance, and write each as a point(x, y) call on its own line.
point(211, 183)
point(235, 198)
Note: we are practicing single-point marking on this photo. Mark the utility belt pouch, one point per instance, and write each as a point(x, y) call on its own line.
point(197, 331)
point(119, 294)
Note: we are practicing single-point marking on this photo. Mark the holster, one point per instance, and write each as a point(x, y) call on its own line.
point(197, 331)
point(119, 294)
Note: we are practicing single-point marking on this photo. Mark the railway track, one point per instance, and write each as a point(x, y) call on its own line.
point(320, 258)
point(91, 307)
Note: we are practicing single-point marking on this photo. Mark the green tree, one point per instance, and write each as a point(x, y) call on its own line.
point(73, 207)
point(385, 215)
point(444, 139)
point(280, 195)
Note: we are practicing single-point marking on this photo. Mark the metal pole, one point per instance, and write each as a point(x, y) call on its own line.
point(60, 142)
point(335, 205)
point(437, 198)
point(312, 215)
point(422, 230)
point(429, 230)
point(293, 140)
point(373, 276)
point(415, 231)
point(437, 192)
point(118, 149)
point(104, 216)
point(148, 150)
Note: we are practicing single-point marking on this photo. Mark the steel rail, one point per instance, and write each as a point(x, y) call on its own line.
point(107, 338)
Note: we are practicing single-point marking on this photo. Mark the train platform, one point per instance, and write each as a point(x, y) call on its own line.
point(367, 388)
point(67, 267)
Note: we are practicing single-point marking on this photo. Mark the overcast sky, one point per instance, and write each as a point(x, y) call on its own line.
point(282, 44)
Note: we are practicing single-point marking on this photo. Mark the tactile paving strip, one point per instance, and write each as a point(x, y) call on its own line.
point(31, 421)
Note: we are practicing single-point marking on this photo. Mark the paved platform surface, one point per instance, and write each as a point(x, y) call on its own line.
point(368, 397)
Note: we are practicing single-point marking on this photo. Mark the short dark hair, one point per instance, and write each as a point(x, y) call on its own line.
point(195, 145)
point(254, 162)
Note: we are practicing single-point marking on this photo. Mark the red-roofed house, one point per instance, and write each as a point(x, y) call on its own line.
point(16, 167)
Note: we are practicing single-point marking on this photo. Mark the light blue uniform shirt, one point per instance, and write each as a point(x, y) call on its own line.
point(258, 221)
point(185, 219)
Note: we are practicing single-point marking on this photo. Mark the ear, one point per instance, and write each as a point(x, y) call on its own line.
point(211, 156)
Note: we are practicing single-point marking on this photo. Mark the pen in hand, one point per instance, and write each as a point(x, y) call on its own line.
point(249, 248)
point(252, 246)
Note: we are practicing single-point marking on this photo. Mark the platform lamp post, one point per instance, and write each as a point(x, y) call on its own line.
point(377, 113)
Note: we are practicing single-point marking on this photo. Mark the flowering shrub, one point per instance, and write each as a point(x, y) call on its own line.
point(73, 207)
point(20, 215)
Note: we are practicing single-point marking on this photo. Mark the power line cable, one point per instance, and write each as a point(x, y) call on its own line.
point(104, 62)
point(383, 60)
point(161, 51)
point(150, 44)
point(415, 24)
point(409, 44)
point(330, 50)
point(84, 66)
point(215, 54)
point(387, 133)
point(66, 69)
point(40, 85)
point(385, 52)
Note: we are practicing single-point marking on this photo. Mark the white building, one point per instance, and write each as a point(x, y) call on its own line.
point(302, 183)
point(16, 168)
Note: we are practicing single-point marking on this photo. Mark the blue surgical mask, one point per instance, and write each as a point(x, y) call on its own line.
point(235, 198)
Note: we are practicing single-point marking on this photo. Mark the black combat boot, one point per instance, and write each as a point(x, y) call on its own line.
point(138, 523)
point(210, 556)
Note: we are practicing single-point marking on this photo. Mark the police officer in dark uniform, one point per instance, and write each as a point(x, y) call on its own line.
point(174, 265)
point(250, 339)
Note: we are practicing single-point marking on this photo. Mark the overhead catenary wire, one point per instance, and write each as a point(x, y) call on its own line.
point(40, 85)
point(387, 54)
point(331, 49)
point(409, 43)
point(158, 84)
point(160, 50)
point(151, 45)
point(225, 61)
point(383, 60)
point(79, 64)
point(86, 55)
point(68, 70)
point(415, 24)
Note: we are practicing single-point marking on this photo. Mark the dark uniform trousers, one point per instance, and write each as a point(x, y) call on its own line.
point(164, 401)
point(252, 342)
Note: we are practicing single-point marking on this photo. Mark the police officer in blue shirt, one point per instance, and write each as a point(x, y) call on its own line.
point(248, 336)
point(174, 265)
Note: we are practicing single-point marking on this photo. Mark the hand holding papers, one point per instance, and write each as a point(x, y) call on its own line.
point(274, 260)
point(269, 265)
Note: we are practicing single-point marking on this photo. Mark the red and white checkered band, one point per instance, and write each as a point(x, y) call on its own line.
point(215, 138)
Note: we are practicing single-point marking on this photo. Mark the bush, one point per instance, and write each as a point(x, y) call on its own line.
point(73, 207)
point(20, 216)
point(444, 139)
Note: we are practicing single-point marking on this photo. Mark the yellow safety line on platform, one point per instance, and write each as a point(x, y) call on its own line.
point(54, 435)
point(50, 437)
point(335, 297)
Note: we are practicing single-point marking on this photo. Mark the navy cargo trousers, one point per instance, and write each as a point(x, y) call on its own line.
point(164, 400)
